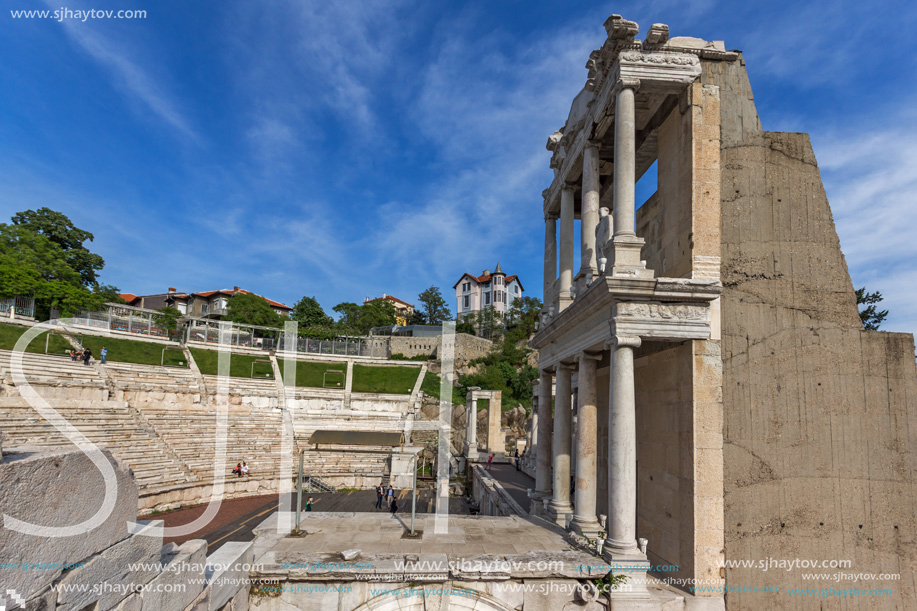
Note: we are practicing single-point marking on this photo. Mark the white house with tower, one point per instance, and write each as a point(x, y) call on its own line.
point(475, 293)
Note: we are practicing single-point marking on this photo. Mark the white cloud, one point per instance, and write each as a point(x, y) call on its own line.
point(128, 75)
point(872, 186)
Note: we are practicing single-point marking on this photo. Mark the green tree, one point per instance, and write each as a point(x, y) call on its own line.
point(250, 309)
point(433, 306)
point(58, 228)
point(523, 313)
point(33, 265)
point(871, 316)
point(417, 318)
point(359, 319)
point(108, 293)
point(168, 318)
point(308, 313)
point(465, 327)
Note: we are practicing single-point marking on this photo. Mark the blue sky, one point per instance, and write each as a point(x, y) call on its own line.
point(345, 149)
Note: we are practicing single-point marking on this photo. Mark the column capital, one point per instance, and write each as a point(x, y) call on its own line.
point(627, 83)
point(566, 366)
point(591, 355)
point(569, 186)
point(624, 341)
point(551, 216)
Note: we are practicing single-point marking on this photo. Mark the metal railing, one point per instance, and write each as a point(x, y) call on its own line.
point(20, 306)
point(126, 319)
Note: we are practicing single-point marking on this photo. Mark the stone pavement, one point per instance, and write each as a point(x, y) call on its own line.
point(516, 483)
point(467, 536)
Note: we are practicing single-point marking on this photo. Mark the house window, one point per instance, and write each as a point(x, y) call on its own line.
point(465, 302)
point(498, 280)
point(466, 287)
point(486, 298)
point(486, 285)
point(204, 308)
point(183, 308)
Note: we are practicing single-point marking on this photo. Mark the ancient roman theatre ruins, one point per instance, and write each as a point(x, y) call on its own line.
point(705, 383)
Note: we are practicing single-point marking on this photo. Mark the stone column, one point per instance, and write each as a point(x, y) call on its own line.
point(622, 449)
point(550, 257)
point(471, 425)
point(496, 440)
point(566, 245)
point(560, 506)
point(625, 256)
point(589, 215)
point(584, 517)
point(543, 457)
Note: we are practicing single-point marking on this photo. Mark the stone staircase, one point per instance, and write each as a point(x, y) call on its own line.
point(108, 424)
point(248, 387)
point(47, 370)
point(152, 378)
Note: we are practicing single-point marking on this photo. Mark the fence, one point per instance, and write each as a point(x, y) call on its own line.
point(22, 306)
point(123, 318)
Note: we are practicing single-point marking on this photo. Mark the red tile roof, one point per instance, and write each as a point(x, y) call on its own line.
point(232, 292)
point(128, 297)
point(482, 279)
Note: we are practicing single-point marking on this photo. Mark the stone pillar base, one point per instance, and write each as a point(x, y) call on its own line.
point(563, 301)
point(559, 512)
point(623, 254)
point(634, 564)
point(471, 452)
point(586, 528)
point(537, 505)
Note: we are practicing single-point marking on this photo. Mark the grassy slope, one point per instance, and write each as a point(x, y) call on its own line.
point(133, 351)
point(311, 374)
point(240, 365)
point(394, 380)
point(10, 333)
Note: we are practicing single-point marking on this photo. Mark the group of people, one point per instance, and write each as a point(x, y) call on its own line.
point(518, 457)
point(389, 496)
point(240, 470)
point(86, 354)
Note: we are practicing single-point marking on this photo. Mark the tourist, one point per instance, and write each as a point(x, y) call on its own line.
point(380, 492)
point(390, 498)
point(394, 506)
point(74, 356)
point(517, 459)
point(103, 353)
point(87, 354)
point(238, 470)
point(244, 469)
point(490, 461)
point(309, 504)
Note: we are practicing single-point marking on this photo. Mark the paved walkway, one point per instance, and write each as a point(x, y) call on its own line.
point(516, 483)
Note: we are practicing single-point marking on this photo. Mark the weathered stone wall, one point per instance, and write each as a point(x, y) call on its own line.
point(467, 347)
point(820, 441)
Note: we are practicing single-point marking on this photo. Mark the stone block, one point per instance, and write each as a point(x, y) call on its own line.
point(134, 602)
point(239, 602)
point(227, 571)
point(57, 488)
point(108, 576)
point(45, 602)
point(182, 567)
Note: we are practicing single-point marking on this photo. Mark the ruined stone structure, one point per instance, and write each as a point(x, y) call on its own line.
point(495, 443)
point(730, 405)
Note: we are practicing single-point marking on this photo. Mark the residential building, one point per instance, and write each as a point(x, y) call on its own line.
point(205, 304)
point(403, 310)
point(474, 293)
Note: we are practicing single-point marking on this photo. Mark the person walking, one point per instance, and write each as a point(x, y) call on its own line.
point(87, 354)
point(490, 461)
point(309, 504)
point(517, 459)
point(103, 353)
point(394, 506)
point(390, 495)
point(380, 492)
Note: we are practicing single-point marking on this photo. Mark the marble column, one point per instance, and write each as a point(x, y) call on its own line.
point(560, 505)
point(566, 245)
point(589, 214)
point(626, 246)
point(471, 426)
point(545, 430)
point(550, 258)
point(622, 449)
point(584, 516)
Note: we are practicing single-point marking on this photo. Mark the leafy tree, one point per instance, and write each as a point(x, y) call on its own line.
point(523, 313)
point(308, 313)
point(359, 319)
point(109, 293)
point(433, 306)
point(487, 322)
point(464, 327)
point(58, 228)
point(31, 264)
point(168, 318)
point(871, 316)
point(417, 318)
point(250, 309)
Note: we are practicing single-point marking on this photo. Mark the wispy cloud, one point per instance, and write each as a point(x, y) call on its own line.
point(871, 182)
point(128, 75)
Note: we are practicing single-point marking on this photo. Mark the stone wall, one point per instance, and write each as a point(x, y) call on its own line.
point(820, 442)
point(112, 565)
point(467, 347)
point(491, 497)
